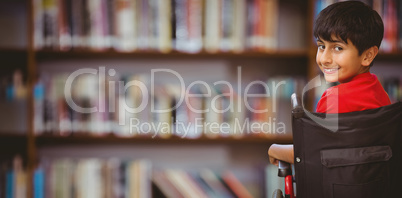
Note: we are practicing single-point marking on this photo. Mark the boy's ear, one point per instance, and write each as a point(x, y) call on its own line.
point(369, 55)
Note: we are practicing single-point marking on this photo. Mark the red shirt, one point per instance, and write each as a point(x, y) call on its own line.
point(363, 92)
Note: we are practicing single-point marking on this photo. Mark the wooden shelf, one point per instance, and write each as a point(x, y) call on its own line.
point(11, 135)
point(51, 54)
point(13, 49)
point(11, 144)
point(394, 56)
point(13, 52)
point(48, 140)
point(87, 53)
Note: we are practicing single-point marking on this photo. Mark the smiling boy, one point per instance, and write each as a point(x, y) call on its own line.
point(348, 37)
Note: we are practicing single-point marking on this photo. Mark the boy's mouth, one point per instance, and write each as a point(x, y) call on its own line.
point(330, 70)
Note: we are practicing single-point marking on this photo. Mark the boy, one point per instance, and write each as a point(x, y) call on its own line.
point(348, 37)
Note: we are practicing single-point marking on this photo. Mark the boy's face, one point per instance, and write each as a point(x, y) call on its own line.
point(339, 61)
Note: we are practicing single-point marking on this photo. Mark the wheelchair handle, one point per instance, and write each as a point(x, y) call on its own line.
point(284, 169)
point(297, 108)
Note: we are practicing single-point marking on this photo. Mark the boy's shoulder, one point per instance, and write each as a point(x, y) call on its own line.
point(360, 82)
point(364, 91)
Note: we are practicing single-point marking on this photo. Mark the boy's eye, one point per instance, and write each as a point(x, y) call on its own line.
point(321, 47)
point(338, 48)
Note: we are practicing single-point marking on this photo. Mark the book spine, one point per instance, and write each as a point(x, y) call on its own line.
point(235, 185)
point(239, 26)
point(86, 24)
point(164, 25)
point(126, 21)
point(39, 102)
point(38, 24)
point(111, 21)
point(39, 183)
point(389, 43)
point(226, 25)
point(271, 29)
point(399, 11)
point(64, 30)
point(182, 30)
point(50, 13)
point(153, 25)
point(144, 24)
point(97, 40)
point(177, 180)
point(212, 25)
point(76, 23)
point(251, 22)
point(9, 184)
point(194, 20)
point(106, 34)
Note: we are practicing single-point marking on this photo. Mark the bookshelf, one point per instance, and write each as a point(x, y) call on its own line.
point(45, 140)
point(293, 54)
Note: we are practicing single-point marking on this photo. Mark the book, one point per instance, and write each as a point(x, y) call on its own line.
point(39, 183)
point(77, 15)
point(164, 25)
point(235, 185)
point(226, 25)
point(89, 178)
point(38, 15)
point(110, 176)
point(271, 26)
point(399, 11)
point(392, 85)
point(188, 15)
point(212, 25)
point(50, 24)
point(64, 24)
point(144, 24)
point(9, 190)
point(239, 26)
point(212, 180)
point(145, 177)
point(20, 178)
point(390, 19)
point(125, 12)
point(183, 184)
point(163, 183)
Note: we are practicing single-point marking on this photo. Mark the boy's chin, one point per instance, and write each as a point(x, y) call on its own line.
point(331, 79)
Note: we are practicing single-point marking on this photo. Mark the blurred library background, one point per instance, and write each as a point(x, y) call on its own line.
point(218, 75)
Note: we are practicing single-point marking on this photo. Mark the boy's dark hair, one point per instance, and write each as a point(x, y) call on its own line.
point(352, 20)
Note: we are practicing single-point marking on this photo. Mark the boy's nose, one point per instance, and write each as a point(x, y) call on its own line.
point(326, 58)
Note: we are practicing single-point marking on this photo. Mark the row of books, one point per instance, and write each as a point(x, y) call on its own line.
point(13, 103)
point(13, 178)
point(93, 177)
point(391, 14)
point(12, 87)
point(162, 25)
point(141, 107)
point(393, 86)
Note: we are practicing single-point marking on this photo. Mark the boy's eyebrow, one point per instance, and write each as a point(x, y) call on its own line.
point(333, 41)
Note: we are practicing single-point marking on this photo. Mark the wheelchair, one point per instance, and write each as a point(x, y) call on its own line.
point(361, 158)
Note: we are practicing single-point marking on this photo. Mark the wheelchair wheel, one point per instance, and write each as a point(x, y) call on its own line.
point(277, 194)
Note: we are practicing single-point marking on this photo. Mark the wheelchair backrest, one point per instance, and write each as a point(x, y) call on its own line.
point(363, 158)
